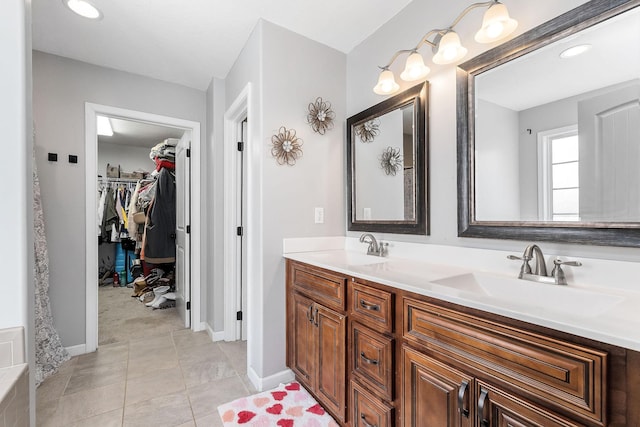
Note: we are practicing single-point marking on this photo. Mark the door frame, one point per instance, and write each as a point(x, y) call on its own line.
point(233, 117)
point(91, 172)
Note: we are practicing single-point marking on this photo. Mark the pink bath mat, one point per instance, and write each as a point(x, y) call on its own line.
point(288, 405)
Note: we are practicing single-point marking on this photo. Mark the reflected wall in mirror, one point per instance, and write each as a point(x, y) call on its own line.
point(386, 157)
point(548, 143)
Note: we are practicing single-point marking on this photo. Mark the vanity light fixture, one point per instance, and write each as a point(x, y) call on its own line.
point(446, 45)
point(83, 8)
point(574, 51)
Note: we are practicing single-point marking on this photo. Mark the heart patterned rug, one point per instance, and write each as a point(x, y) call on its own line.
point(288, 405)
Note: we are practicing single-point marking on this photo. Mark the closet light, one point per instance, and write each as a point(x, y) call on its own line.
point(83, 8)
point(446, 45)
point(104, 126)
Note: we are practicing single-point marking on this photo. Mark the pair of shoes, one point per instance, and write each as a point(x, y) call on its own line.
point(165, 301)
point(158, 292)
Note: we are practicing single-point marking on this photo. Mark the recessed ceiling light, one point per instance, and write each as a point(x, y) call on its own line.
point(83, 8)
point(574, 51)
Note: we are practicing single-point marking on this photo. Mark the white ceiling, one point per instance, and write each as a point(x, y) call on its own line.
point(138, 134)
point(543, 77)
point(190, 41)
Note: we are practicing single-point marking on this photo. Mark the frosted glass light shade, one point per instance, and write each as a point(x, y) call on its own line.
point(386, 83)
point(450, 49)
point(496, 24)
point(414, 68)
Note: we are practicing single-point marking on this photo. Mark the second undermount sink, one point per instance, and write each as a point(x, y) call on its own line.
point(540, 297)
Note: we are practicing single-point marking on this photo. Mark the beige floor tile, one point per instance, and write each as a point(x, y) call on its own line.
point(105, 354)
point(90, 377)
point(46, 412)
point(206, 398)
point(158, 383)
point(188, 424)
point(151, 344)
point(154, 361)
point(248, 384)
point(201, 372)
point(108, 419)
point(186, 338)
point(192, 354)
point(236, 352)
point(164, 411)
point(88, 403)
point(210, 421)
point(53, 387)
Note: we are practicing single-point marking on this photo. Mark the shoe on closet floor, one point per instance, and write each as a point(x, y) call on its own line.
point(165, 301)
point(158, 292)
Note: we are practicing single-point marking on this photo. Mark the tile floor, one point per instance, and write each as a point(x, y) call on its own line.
point(145, 373)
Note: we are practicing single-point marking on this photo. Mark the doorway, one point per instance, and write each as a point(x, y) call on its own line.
point(191, 219)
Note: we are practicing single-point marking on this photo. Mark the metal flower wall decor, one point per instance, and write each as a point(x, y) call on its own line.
point(368, 130)
point(391, 160)
point(287, 147)
point(320, 116)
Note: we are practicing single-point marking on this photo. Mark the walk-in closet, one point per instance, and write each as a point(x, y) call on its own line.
point(136, 217)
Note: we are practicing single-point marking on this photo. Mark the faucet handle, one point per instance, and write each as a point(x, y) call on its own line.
point(526, 268)
point(383, 248)
point(558, 273)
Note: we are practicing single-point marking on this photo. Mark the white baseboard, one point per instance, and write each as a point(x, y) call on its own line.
point(272, 381)
point(215, 336)
point(76, 350)
point(199, 327)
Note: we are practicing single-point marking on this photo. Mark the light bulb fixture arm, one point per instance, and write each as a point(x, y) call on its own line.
point(469, 9)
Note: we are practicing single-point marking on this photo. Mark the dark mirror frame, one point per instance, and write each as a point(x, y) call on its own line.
point(564, 25)
point(418, 95)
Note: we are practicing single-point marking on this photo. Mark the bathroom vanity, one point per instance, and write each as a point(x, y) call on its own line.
point(402, 343)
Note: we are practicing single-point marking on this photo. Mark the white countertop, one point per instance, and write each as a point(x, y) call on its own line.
point(609, 315)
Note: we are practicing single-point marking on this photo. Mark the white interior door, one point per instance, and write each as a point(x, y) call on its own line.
point(609, 155)
point(243, 254)
point(183, 216)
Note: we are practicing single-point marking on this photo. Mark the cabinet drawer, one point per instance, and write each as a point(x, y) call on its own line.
point(320, 285)
point(372, 359)
point(371, 306)
point(367, 411)
point(567, 377)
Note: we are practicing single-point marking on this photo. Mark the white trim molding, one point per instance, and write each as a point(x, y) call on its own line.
point(77, 350)
point(91, 249)
point(272, 381)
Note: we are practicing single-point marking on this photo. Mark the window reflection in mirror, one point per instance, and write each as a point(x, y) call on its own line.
point(557, 139)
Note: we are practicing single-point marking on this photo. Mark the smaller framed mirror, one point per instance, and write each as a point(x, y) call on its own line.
point(386, 165)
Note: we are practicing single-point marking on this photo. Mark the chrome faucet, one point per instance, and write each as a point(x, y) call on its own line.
point(557, 276)
point(374, 248)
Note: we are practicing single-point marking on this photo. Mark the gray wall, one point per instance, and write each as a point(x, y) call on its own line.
point(282, 86)
point(402, 32)
point(61, 88)
point(128, 157)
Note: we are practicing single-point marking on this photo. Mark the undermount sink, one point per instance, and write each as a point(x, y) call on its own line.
point(540, 297)
point(347, 258)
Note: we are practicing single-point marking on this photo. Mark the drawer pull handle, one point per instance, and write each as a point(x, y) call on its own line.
point(316, 317)
point(464, 387)
point(367, 360)
point(364, 421)
point(481, 402)
point(310, 313)
point(366, 306)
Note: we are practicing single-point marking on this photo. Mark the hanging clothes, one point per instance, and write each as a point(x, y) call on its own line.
point(110, 216)
point(160, 245)
point(132, 227)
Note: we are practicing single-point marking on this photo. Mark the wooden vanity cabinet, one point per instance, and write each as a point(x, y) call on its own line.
point(316, 334)
point(408, 360)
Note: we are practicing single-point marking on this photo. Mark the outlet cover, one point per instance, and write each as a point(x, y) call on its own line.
point(319, 216)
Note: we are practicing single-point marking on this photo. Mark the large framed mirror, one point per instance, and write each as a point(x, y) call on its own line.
point(549, 141)
point(386, 158)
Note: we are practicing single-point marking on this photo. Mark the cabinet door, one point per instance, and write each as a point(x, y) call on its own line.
point(331, 380)
point(303, 340)
point(497, 408)
point(435, 394)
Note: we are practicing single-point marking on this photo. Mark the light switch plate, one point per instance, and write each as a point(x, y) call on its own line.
point(319, 216)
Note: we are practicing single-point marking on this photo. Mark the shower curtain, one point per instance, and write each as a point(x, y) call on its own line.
point(50, 353)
